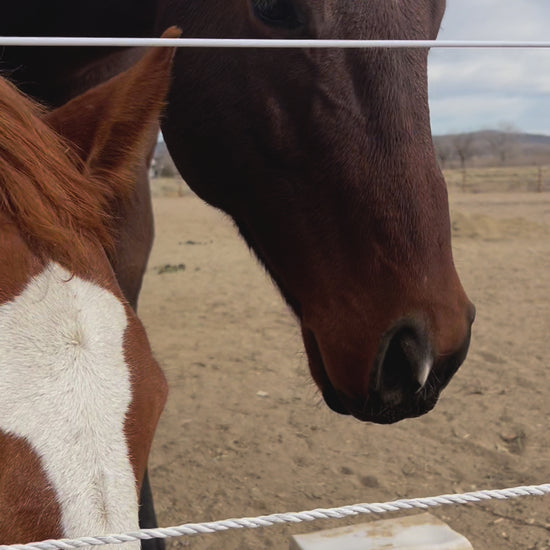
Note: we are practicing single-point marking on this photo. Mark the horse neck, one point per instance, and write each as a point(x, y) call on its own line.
point(99, 18)
point(55, 75)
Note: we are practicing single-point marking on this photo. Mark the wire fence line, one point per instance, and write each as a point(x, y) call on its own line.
point(277, 519)
point(263, 43)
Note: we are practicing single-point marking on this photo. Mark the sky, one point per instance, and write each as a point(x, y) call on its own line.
point(478, 89)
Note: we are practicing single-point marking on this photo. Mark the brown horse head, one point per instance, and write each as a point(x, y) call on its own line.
point(324, 159)
point(80, 390)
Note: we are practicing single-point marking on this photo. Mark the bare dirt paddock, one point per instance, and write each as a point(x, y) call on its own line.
point(245, 433)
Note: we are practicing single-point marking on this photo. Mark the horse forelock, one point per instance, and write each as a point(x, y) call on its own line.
point(45, 189)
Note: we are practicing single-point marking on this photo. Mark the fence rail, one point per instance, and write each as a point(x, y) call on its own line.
point(263, 43)
point(277, 519)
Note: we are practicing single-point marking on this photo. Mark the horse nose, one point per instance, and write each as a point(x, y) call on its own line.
point(404, 363)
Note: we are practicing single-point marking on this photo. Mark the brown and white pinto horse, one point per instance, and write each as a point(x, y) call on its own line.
point(80, 391)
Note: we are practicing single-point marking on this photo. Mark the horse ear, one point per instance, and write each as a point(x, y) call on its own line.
point(114, 125)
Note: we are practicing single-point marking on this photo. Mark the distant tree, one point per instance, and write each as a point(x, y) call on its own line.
point(503, 142)
point(443, 150)
point(168, 169)
point(464, 148)
point(463, 145)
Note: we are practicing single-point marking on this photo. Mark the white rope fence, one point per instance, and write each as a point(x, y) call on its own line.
point(262, 43)
point(277, 519)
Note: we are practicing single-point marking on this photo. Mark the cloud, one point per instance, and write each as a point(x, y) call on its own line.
point(483, 112)
point(472, 89)
point(494, 71)
point(496, 20)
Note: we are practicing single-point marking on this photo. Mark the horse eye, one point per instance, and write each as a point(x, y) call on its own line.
point(276, 13)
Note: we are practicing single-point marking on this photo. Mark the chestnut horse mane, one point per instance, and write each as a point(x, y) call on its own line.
point(44, 188)
point(63, 192)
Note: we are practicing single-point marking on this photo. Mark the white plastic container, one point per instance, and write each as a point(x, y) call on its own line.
point(417, 532)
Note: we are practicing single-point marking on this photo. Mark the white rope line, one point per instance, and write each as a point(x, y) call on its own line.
point(275, 519)
point(255, 43)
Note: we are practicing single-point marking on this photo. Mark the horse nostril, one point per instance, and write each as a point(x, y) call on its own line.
point(405, 362)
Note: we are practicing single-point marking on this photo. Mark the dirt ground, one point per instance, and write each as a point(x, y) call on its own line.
point(245, 432)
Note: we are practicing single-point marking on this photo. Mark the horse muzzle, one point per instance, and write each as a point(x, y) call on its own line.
point(406, 380)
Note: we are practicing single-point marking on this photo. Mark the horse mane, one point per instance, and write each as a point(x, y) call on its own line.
point(63, 192)
point(44, 187)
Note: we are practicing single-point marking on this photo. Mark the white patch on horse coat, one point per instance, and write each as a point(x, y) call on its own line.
point(65, 388)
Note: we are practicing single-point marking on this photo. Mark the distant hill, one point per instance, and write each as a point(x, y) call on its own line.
point(534, 139)
point(492, 148)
